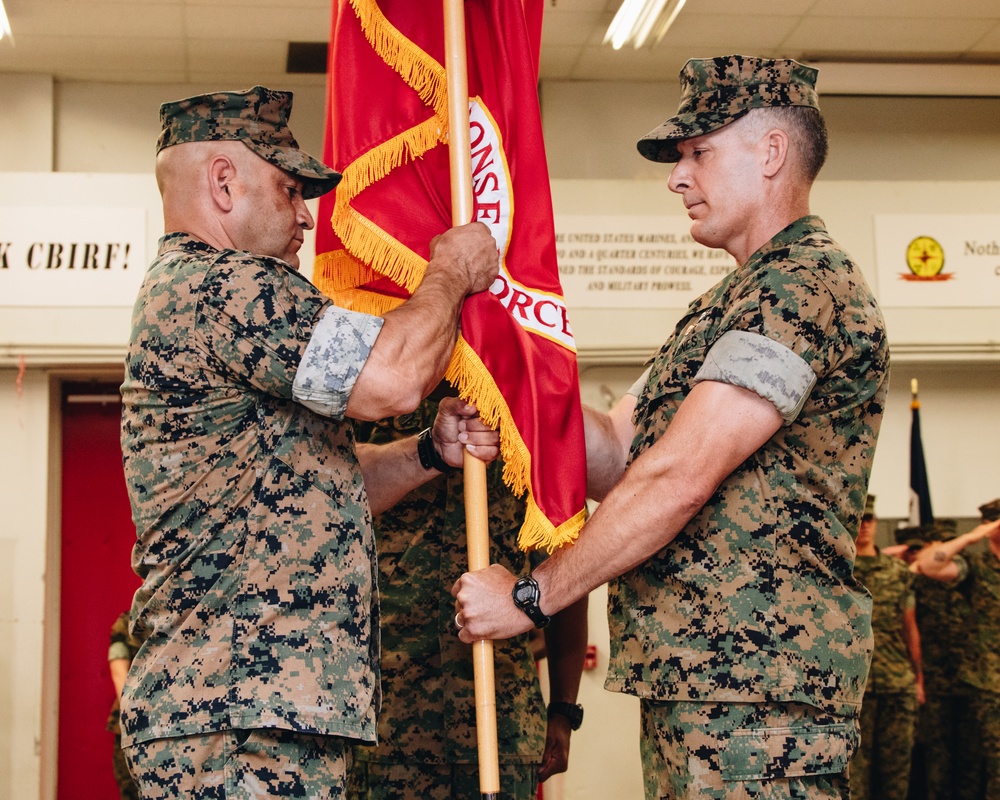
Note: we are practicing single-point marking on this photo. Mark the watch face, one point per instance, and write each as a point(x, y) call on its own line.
point(524, 592)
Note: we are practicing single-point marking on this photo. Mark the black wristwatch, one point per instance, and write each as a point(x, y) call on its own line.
point(429, 457)
point(572, 711)
point(526, 595)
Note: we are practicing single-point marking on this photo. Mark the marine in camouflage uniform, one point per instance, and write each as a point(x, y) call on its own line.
point(737, 619)
point(257, 615)
point(755, 601)
point(427, 745)
point(946, 754)
point(121, 648)
point(880, 767)
point(979, 659)
point(981, 669)
point(257, 607)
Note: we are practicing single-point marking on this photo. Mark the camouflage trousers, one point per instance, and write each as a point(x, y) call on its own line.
point(126, 786)
point(949, 766)
point(880, 769)
point(414, 781)
point(988, 728)
point(744, 751)
point(240, 765)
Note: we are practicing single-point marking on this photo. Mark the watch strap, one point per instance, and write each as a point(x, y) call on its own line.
point(429, 457)
point(572, 711)
point(528, 603)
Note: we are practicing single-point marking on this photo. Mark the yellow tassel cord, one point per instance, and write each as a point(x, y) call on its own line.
point(417, 69)
point(476, 385)
point(368, 243)
point(366, 302)
point(365, 240)
point(339, 273)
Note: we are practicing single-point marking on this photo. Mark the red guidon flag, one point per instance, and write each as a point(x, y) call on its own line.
point(387, 133)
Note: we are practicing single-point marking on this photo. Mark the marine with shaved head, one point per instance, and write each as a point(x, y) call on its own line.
point(258, 611)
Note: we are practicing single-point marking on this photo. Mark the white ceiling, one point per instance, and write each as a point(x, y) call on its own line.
point(238, 43)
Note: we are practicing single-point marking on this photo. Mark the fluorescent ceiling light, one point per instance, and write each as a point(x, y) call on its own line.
point(638, 21)
point(5, 31)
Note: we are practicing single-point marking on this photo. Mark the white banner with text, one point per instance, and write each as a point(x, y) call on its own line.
point(82, 257)
point(634, 261)
point(938, 260)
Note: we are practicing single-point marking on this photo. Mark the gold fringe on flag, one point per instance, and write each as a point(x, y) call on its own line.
point(366, 302)
point(337, 271)
point(475, 384)
point(417, 69)
point(341, 273)
point(366, 241)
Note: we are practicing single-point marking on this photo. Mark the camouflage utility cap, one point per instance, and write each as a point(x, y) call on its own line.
point(717, 91)
point(990, 511)
point(912, 536)
point(869, 506)
point(257, 117)
point(942, 530)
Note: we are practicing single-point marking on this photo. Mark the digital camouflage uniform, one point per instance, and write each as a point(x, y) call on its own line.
point(981, 667)
point(946, 739)
point(122, 647)
point(754, 603)
point(427, 726)
point(880, 768)
point(255, 545)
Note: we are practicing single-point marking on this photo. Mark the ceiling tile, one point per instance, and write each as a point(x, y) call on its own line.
point(706, 35)
point(989, 42)
point(138, 40)
point(881, 35)
point(135, 76)
point(228, 57)
point(258, 22)
point(323, 5)
point(65, 56)
point(913, 9)
point(557, 61)
point(582, 5)
point(561, 27)
point(629, 64)
point(739, 10)
point(47, 18)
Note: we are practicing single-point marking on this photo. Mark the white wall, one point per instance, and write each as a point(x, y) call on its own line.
point(105, 127)
point(887, 156)
point(591, 129)
point(24, 497)
point(959, 391)
point(27, 112)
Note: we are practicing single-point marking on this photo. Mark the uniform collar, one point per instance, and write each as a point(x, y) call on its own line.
point(183, 242)
point(796, 231)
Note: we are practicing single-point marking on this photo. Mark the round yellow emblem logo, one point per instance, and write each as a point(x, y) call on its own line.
point(925, 257)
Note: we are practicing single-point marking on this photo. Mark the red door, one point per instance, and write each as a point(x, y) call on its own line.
point(96, 585)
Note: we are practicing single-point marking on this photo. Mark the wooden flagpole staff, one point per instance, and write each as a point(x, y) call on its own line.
point(476, 507)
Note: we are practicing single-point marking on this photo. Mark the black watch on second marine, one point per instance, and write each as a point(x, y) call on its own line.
point(572, 711)
point(526, 596)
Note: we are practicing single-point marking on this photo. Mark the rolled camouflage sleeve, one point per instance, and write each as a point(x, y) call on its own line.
point(333, 359)
point(763, 366)
point(119, 646)
point(119, 651)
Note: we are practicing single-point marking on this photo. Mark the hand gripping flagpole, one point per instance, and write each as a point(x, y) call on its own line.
point(476, 507)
